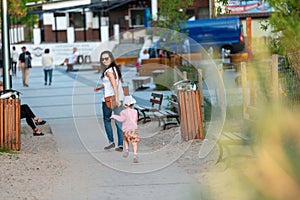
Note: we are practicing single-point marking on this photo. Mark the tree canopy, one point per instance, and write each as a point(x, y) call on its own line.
point(285, 24)
point(171, 14)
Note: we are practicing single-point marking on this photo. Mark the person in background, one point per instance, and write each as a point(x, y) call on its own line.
point(112, 85)
point(48, 66)
point(72, 59)
point(143, 55)
point(25, 65)
point(129, 119)
point(31, 119)
point(14, 60)
point(161, 54)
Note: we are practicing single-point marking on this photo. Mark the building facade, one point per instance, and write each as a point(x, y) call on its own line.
point(95, 20)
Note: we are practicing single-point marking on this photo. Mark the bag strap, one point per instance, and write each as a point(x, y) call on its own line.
point(113, 71)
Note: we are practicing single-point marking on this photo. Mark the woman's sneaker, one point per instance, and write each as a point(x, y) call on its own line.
point(119, 148)
point(125, 154)
point(135, 159)
point(111, 145)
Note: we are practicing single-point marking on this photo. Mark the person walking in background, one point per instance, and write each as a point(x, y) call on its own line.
point(129, 119)
point(14, 59)
point(25, 65)
point(48, 66)
point(31, 119)
point(112, 85)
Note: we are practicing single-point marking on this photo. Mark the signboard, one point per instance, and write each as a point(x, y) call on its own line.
point(247, 6)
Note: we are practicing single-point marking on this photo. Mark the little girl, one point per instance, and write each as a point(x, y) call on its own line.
point(129, 118)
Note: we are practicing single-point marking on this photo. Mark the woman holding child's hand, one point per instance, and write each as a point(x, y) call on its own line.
point(112, 85)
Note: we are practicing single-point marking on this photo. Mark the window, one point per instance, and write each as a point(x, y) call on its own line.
point(76, 19)
point(203, 13)
point(136, 17)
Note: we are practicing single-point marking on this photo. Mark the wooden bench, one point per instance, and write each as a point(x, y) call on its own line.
point(228, 139)
point(152, 64)
point(98, 67)
point(165, 115)
point(156, 101)
point(147, 69)
point(79, 61)
point(191, 57)
point(127, 61)
point(139, 81)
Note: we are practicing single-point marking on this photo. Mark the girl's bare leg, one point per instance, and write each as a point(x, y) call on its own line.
point(135, 151)
point(126, 150)
point(126, 143)
point(135, 147)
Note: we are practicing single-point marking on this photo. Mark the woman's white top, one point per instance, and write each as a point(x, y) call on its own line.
point(47, 61)
point(108, 88)
point(15, 56)
point(143, 56)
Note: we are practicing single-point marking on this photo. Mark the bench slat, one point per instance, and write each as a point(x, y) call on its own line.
point(156, 101)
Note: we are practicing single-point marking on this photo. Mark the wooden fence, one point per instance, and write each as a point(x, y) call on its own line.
point(272, 81)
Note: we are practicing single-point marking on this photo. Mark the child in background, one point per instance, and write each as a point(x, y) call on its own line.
point(129, 119)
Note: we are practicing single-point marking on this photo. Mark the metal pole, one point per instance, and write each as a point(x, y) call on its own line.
point(5, 47)
point(99, 21)
point(84, 24)
point(55, 22)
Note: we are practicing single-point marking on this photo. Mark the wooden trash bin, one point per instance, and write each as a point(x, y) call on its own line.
point(191, 122)
point(10, 128)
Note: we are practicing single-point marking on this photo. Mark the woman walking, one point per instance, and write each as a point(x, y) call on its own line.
point(112, 85)
point(48, 66)
point(14, 57)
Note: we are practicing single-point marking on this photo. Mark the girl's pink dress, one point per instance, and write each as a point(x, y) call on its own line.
point(129, 118)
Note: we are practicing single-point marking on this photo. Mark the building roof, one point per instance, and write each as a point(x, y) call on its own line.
point(99, 6)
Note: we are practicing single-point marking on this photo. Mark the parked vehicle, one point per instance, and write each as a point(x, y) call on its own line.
point(218, 33)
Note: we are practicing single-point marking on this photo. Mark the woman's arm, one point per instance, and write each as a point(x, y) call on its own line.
point(97, 88)
point(113, 82)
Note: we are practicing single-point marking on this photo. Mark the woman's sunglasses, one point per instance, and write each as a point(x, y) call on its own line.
point(106, 59)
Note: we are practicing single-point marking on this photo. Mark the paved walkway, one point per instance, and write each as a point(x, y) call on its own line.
point(72, 110)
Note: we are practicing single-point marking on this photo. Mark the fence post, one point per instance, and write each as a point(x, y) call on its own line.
point(201, 91)
point(275, 83)
point(244, 88)
point(185, 75)
point(175, 74)
point(251, 87)
point(221, 89)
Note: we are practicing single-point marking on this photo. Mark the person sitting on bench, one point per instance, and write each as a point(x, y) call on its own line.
point(71, 60)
